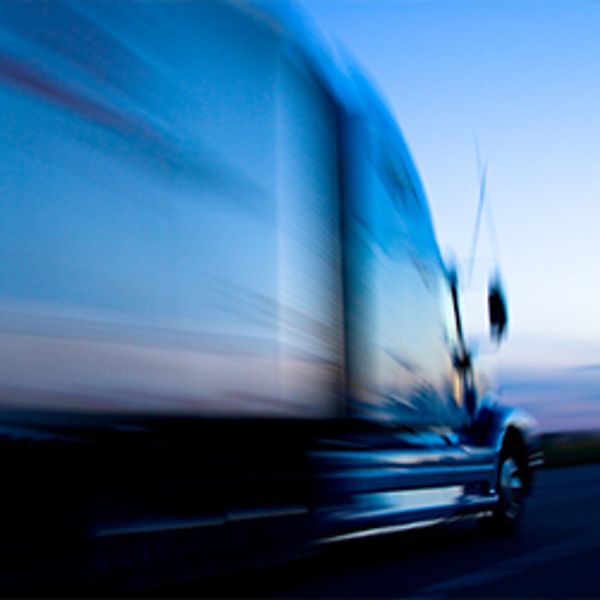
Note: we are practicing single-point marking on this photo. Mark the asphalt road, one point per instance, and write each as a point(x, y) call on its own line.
point(556, 554)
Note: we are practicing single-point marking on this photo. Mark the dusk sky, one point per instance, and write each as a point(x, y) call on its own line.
point(522, 81)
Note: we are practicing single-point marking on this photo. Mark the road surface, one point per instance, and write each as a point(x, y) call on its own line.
point(556, 554)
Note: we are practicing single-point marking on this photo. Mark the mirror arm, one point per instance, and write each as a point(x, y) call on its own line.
point(463, 360)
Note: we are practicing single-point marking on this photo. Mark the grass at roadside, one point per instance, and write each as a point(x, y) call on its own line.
point(574, 448)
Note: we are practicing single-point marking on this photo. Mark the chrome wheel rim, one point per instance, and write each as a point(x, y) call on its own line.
point(511, 488)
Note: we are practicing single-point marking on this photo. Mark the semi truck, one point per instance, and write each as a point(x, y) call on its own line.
point(227, 334)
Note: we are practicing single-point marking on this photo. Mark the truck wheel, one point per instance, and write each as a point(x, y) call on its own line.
point(507, 513)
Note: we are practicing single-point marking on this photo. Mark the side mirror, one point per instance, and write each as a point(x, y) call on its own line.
point(498, 312)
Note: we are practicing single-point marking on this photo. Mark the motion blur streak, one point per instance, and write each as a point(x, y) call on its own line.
point(153, 259)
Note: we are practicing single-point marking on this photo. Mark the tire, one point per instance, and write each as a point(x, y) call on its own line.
point(508, 512)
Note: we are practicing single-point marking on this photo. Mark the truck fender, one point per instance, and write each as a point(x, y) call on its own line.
point(496, 426)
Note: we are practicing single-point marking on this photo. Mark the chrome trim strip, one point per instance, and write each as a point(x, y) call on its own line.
point(158, 527)
point(416, 471)
point(380, 531)
point(422, 457)
point(250, 515)
point(382, 503)
point(390, 529)
point(387, 478)
point(190, 524)
point(397, 504)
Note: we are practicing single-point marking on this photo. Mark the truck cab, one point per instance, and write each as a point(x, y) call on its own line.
point(434, 442)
